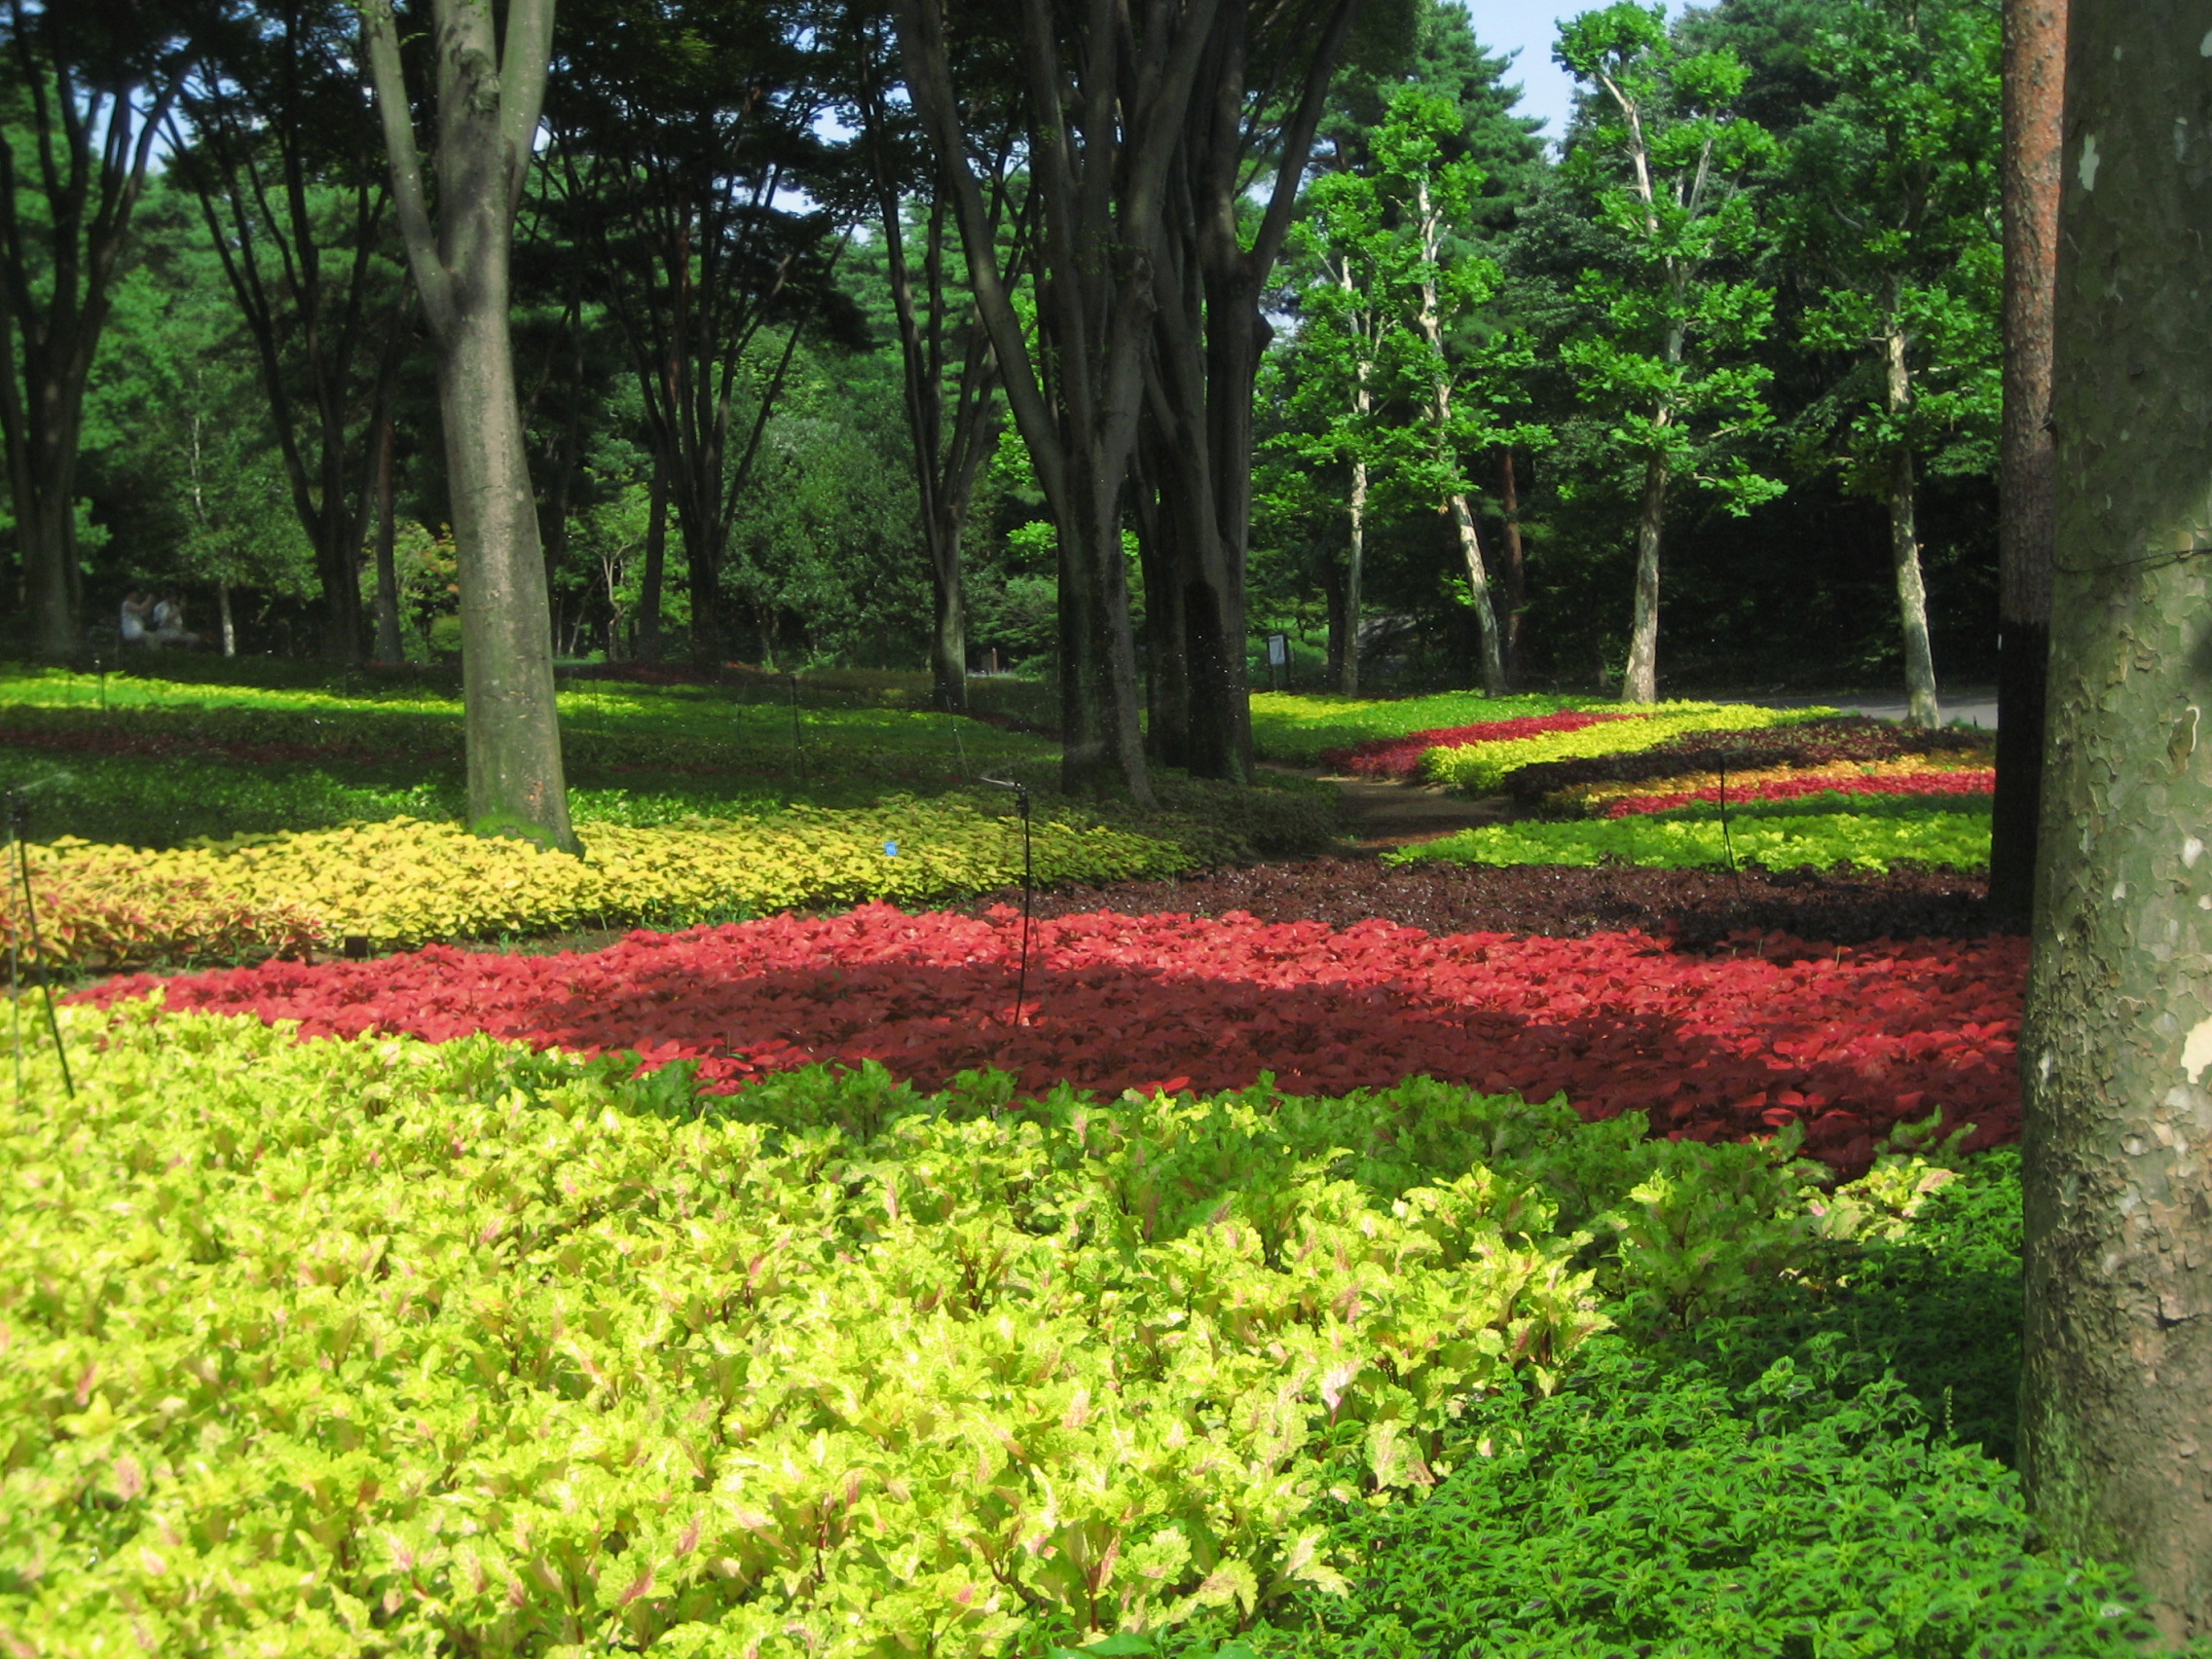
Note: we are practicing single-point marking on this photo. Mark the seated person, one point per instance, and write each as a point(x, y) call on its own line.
point(137, 609)
point(169, 622)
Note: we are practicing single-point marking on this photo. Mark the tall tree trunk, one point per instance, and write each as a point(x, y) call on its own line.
point(1640, 680)
point(1478, 595)
point(1516, 564)
point(488, 91)
point(228, 621)
point(2035, 70)
point(2116, 1051)
point(1355, 572)
point(1432, 321)
point(389, 647)
point(1167, 685)
point(1900, 488)
point(656, 564)
point(949, 616)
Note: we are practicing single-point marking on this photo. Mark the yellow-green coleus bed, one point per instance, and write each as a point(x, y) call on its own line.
point(376, 1347)
point(405, 881)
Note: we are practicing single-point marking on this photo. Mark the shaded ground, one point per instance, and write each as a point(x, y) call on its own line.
point(1692, 905)
point(1380, 812)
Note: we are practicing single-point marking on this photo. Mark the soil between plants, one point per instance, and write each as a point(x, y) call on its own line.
point(1694, 907)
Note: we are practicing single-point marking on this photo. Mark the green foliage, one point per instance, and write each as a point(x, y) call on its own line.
point(1298, 727)
point(1481, 768)
point(1667, 358)
point(381, 1346)
point(1889, 221)
point(1959, 841)
point(1650, 1508)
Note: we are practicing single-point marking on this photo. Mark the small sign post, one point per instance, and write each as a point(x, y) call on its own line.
point(1278, 660)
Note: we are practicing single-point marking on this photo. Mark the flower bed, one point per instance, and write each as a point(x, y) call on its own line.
point(405, 881)
point(1401, 756)
point(1894, 778)
point(1301, 726)
point(1825, 741)
point(348, 1347)
point(1847, 1041)
point(1817, 840)
point(1481, 768)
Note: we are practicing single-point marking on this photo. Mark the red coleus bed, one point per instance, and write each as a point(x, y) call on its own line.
point(1961, 781)
point(1400, 756)
point(1848, 1040)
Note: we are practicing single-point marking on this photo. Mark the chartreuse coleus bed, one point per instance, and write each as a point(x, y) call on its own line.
point(379, 1347)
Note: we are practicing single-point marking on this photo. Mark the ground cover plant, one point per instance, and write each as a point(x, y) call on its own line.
point(1301, 728)
point(1932, 833)
point(1812, 745)
point(1844, 1042)
point(202, 822)
point(1481, 767)
point(403, 881)
point(381, 1346)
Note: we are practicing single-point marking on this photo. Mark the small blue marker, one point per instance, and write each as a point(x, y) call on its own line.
point(891, 849)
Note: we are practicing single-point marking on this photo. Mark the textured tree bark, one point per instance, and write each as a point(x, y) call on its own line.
point(2117, 1047)
point(1640, 680)
point(2035, 73)
point(488, 91)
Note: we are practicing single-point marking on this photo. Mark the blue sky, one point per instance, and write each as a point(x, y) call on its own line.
point(1533, 25)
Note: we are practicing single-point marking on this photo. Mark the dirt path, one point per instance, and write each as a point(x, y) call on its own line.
point(1382, 814)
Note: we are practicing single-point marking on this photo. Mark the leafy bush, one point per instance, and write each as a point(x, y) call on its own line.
point(1300, 727)
point(1481, 768)
point(1870, 841)
point(1825, 741)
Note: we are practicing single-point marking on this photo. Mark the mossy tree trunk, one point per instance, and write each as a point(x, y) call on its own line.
point(2117, 1049)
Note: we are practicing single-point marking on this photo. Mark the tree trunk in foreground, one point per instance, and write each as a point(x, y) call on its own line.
point(1478, 593)
point(2117, 1049)
point(1640, 680)
point(488, 91)
point(2035, 73)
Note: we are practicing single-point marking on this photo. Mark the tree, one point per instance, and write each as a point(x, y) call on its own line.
point(1891, 200)
point(285, 162)
point(1395, 233)
point(951, 376)
point(2035, 71)
point(1264, 71)
point(679, 131)
point(1105, 107)
point(94, 82)
point(487, 86)
point(1666, 160)
point(2117, 1047)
